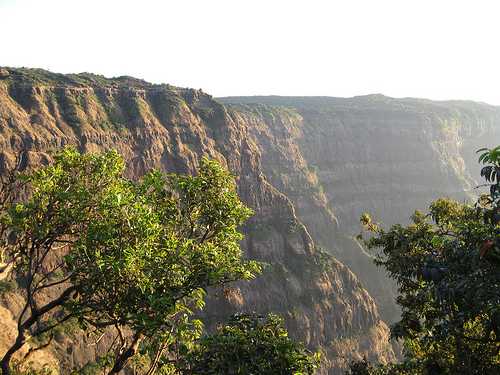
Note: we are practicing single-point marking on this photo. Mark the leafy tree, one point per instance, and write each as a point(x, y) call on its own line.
point(88, 244)
point(447, 267)
point(250, 344)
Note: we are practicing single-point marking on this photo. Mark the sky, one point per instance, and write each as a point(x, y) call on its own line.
point(436, 49)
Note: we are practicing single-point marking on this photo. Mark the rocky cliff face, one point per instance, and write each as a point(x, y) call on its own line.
point(159, 126)
point(384, 155)
point(337, 158)
point(307, 166)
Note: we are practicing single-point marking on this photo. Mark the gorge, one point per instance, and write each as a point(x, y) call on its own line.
point(308, 166)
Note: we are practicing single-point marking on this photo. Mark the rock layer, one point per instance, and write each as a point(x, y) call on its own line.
point(159, 126)
point(308, 167)
point(337, 158)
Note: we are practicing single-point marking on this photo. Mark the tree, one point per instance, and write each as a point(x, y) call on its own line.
point(91, 245)
point(250, 344)
point(447, 267)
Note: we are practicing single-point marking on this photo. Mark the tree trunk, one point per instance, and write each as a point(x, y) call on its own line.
point(23, 327)
point(5, 363)
point(122, 358)
point(158, 355)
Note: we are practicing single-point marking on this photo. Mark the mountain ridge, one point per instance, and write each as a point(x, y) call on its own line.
point(88, 78)
point(316, 163)
point(169, 128)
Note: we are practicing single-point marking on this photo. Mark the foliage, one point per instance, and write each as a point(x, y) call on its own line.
point(323, 260)
point(136, 256)
point(250, 344)
point(364, 367)
point(491, 171)
point(19, 368)
point(96, 367)
point(7, 286)
point(189, 239)
point(447, 267)
point(43, 77)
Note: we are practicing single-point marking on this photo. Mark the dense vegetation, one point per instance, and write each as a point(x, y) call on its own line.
point(447, 267)
point(88, 247)
point(44, 77)
point(250, 344)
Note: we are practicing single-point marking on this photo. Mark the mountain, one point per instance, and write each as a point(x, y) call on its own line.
point(170, 128)
point(336, 158)
point(308, 166)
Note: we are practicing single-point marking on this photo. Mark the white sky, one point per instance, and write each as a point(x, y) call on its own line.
point(439, 49)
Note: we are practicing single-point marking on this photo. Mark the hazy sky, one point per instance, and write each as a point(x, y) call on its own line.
point(439, 49)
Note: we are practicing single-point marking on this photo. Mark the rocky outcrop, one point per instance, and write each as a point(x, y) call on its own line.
point(159, 126)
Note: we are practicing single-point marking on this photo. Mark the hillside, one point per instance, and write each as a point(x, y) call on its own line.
point(336, 158)
point(308, 166)
point(160, 126)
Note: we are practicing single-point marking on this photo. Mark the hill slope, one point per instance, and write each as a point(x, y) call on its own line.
point(159, 126)
point(336, 158)
point(308, 166)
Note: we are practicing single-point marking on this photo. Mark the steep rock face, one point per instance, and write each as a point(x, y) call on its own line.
point(337, 158)
point(386, 155)
point(279, 133)
point(159, 126)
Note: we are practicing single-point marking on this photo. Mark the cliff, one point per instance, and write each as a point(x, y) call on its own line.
point(382, 154)
point(337, 158)
point(308, 167)
point(170, 128)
